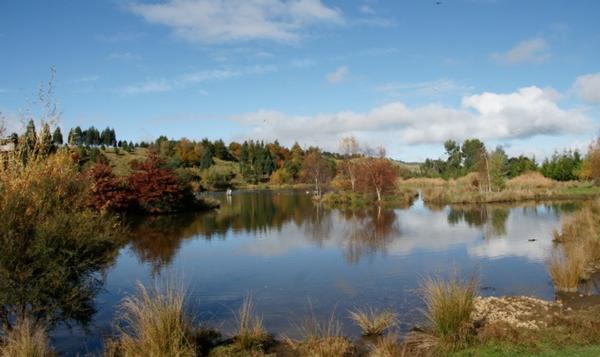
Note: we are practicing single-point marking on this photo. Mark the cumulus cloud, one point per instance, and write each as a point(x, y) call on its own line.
point(588, 87)
point(532, 50)
point(522, 114)
point(338, 76)
point(213, 21)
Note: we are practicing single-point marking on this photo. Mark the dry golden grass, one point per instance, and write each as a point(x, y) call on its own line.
point(155, 325)
point(579, 251)
point(320, 339)
point(566, 270)
point(423, 182)
point(449, 304)
point(530, 180)
point(250, 333)
point(25, 340)
point(386, 346)
point(373, 322)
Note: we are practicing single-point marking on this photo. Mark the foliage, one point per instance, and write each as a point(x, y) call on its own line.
point(378, 176)
point(109, 193)
point(591, 164)
point(157, 189)
point(51, 244)
point(317, 170)
point(218, 178)
point(563, 166)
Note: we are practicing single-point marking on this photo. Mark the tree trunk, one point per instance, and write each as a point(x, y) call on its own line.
point(378, 194)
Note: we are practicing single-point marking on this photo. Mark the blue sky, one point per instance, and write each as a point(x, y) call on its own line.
point(404, 74)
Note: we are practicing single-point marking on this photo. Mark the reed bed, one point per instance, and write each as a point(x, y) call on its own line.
point(577, 254)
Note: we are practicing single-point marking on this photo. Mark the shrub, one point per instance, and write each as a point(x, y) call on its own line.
point(109, 193)
point(157, 189)
point(51, 244)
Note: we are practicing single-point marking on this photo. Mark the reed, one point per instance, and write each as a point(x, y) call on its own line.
point(251, 333)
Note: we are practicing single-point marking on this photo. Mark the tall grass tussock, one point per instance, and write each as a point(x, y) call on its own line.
point(251, 333)
point(154, 323)
point(449, 304)
point(26, 339)
point(373, 322)
point(577, 253)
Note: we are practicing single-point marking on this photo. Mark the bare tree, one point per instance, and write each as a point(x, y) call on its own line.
point(350, 149)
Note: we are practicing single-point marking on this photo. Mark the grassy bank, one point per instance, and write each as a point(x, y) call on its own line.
point(401, 197)
point(530, 186)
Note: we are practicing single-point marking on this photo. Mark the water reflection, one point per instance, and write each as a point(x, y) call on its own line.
point(52, 279)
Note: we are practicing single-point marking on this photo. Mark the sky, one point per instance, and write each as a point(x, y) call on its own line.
point(403, 74)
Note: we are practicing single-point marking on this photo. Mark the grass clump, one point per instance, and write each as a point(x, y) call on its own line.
point(449, 304)
point(373, 322)
point(251, 333)
point(566, 269)
point(155, 325)
point(320, 339)
point(26, 339)
point(386, 346)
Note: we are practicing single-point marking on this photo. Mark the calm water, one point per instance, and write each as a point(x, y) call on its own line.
point(293, 257)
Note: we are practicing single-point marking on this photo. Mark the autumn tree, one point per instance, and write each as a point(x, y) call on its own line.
point(316, 169)
point(157, 188)
point(591, 164)
point(108, 193)
point(378, 175)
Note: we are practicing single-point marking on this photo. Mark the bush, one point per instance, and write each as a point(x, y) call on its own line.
point(218, 178)
point(52, 245)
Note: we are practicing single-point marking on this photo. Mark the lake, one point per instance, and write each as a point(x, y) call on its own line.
point(296, 258)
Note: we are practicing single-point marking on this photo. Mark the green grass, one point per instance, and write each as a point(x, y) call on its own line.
point(121, 161)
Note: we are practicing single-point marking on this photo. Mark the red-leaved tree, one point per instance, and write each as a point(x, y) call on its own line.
point(156, 187)
point(108, 193)
point(377, 175)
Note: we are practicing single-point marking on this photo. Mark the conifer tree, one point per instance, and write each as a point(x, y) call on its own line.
point(57, 137)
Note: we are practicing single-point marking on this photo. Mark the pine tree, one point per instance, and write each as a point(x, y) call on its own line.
point(57, 137)
point(46, 146)
point(30, 136)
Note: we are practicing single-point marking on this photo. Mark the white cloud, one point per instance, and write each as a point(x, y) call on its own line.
point(433, 88)
point(524, 113)
point(533, 50)
point(588, 87)
point(86, 79)
point(123, 56)
point(338, 76)
point(212, 21)
point(146, 87)
point(183, 81)
point(366, 9)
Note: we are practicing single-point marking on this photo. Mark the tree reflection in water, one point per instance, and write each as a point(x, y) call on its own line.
point(492, 218)
point(156, 240)
point(52, 278)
